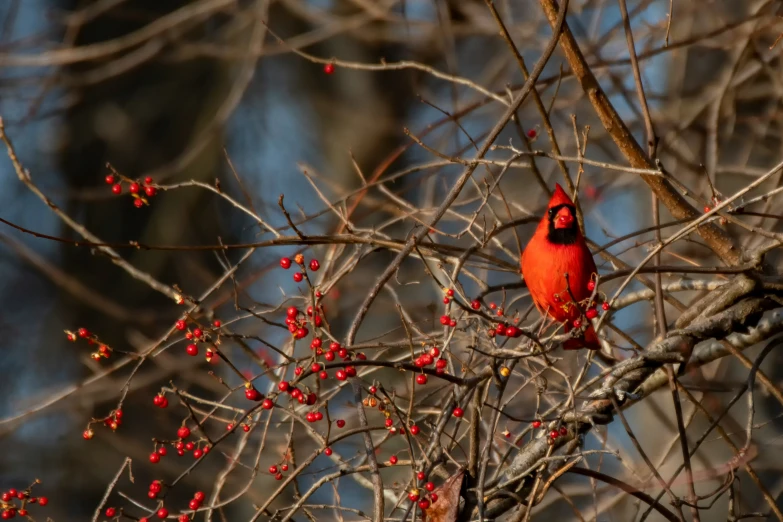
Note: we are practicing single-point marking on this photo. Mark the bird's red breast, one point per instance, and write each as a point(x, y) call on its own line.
point(558, 248)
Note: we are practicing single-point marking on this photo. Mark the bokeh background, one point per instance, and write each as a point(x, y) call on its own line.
point(213, 84)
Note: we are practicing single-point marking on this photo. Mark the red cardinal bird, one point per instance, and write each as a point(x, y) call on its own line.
point(558, 248)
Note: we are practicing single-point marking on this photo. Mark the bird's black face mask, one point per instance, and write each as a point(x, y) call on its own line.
point(562, 235)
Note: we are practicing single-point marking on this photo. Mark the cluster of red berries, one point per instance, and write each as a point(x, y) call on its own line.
point(160, 401)
point(103, 351)
point(278, 471)
point(448, 296)
point(415, 495)
point(15, 502)
point(136, 189)
point(194, 504)
point(428, 358)
point(197, 335)
point(502, 329)
point(555, 434)
point(446, 320)
point(314, 265)
point(297, 324)
point(182, 447)
point(112, 422)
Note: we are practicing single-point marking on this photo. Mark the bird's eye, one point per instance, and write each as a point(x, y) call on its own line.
point(551, 213)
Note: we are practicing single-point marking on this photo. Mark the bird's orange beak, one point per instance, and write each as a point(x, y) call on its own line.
point(564, 219)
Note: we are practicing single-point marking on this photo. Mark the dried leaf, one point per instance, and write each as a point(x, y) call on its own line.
point(446, 508)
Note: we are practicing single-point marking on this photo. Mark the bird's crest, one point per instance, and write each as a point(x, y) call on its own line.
point(559, 197)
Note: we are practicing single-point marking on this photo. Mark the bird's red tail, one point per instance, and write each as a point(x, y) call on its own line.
point(589, 341)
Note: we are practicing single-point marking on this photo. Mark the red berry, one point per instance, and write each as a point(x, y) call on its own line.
point(329, 356)
point(434, 498)
point(444, 320)
point(441, 363)
point(706, 209)
point(138, 203)
point(285, 263)
point(553, 434)
point(317, 343)
point(591, 313)
point(323, 375)
point(183, 432)
point(591, 285)
point(605, 306)
point(283, 386)
point(110, 512)
point(279, 476)
point(393, 459)
point(475, 304)
point(157, 399)
point(531, 133)
point(184, 518)
point(314, 265)
point(134, 188)
point(316, 367)
point(577, 323)
point(181, 325)
point(424, 504)
point(162, 451)
point(109, 179)
point(192, 349)
point(414, 430)
point(350, 371)
point(342, 353)
point(216, 323)
point(88, 434)
point(199, 496)
point(458, 412)
point(272, 469)
point(197, 333)
point(301, 332)
point(429, 486)
point(197, 454)
point(328, 452)
point(117, 188)
point(163, 403)
point(83, 332)
point(536, 424)
point(42, 501)
point(512, 331)
point(373, 390)
point(500, 329)
point(150, 191)
point(298, 277)
point(340, 423)
point(413, 496)
point(162, 513)
point(252, 394)
point(310, 417)
point(563, 431)
point(267, 404)
point(421, 475)
point(421, 378)
point(154, 457)
point(329, 68)
point(340, 375)
point(194, 504)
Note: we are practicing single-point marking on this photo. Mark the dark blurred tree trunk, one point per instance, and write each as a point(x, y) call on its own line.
point(138, 121)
